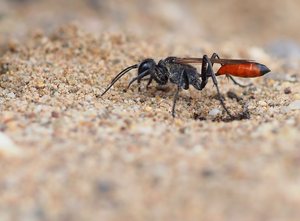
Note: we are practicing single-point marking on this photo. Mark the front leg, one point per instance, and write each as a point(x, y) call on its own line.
point(149, 82)
point(137, 78)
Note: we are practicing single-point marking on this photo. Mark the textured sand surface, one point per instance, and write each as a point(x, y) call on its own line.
point(66, 153)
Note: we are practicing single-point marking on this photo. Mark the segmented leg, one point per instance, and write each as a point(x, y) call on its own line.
point(237, 83)
point(149, 82)
point(215, 56)
point(137, 78)
point(183, 82)
point(210, 72)
point(204, 75)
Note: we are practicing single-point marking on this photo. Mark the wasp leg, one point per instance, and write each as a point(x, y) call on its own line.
point(149, 82)
point(204, 74)
point(206, 62)
point(183, 83)
point(140, 80)
point(139, 85)
point(137, 78)
point(215, 56)
point(237, 83)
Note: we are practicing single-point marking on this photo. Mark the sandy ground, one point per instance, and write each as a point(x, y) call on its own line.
point(66, 153)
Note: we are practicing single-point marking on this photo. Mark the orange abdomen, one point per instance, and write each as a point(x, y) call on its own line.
point(245, 70)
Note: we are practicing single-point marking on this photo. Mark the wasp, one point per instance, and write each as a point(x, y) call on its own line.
point(180, 72)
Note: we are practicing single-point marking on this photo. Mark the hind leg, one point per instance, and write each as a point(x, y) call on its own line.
point(237, 83)
point(210, 72)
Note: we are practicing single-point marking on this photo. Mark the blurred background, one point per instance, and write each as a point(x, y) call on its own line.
point(255, 22)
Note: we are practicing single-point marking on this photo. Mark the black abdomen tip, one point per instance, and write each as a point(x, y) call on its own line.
point(263, 69)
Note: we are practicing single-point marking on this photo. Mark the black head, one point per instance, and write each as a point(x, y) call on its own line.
point(146, 65)
point(145, 68)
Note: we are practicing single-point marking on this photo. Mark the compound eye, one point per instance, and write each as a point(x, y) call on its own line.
point(146, 65)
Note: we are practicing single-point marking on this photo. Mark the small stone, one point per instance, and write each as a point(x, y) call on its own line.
point(148, 109)
point(4, 67)
point(7, 146)
point(295, 105)
point(251, 106)
point(262, 103)
point(197, 149)
point(287, 90)
point(40, 84)
point(145, 130)
point(197, 116)
point(105, 186)
point(206, 173)
point(13, 45)
point(54, 114)
point(11, 95)
point(214, 112)
point(178, 122)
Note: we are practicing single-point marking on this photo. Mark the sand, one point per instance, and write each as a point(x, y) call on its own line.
point(66, 153)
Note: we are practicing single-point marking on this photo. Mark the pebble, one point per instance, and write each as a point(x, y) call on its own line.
point(295, 105)
point(105, 186)
point(54, 114)
point(287, 90)
point(262, 103)
point(214, 112)
point(178, 122)
point(11, 95)
point(40, 84)
point(197, 149)
point(148, 109)
point(7, 146)
point(146, 130)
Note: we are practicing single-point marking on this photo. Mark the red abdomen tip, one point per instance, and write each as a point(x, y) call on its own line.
point(245, 70)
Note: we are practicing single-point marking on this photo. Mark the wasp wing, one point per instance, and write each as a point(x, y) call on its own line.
point(215, 60)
